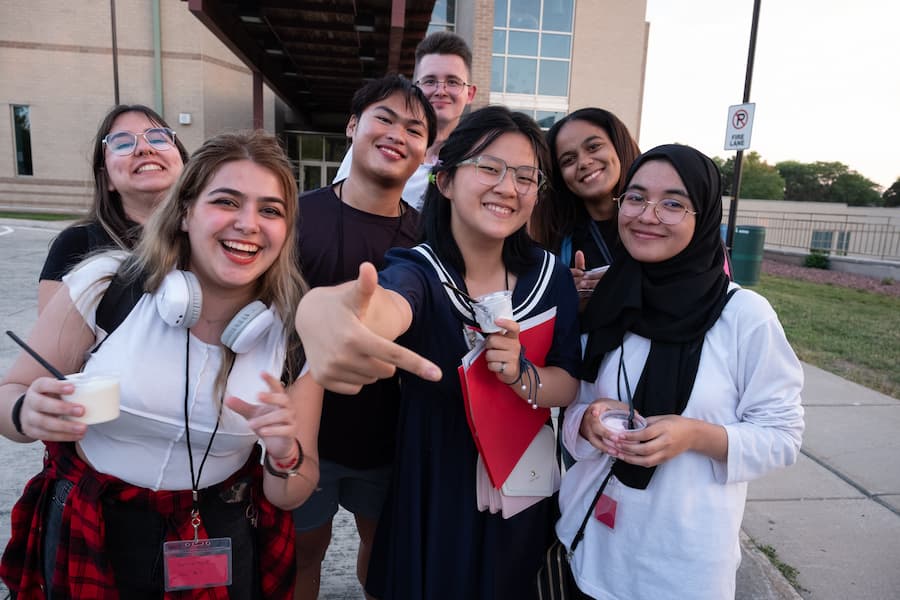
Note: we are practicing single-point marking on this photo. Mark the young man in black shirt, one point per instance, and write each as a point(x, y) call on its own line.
point(340, 226)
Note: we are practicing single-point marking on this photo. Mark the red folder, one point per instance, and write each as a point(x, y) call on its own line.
point(502, 423)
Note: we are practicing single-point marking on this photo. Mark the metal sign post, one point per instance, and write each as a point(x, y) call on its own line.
point(739, 157)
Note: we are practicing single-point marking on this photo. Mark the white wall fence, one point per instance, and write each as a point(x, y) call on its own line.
point(838, 229)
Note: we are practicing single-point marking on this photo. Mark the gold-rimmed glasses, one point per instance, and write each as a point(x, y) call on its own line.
point(668, 210)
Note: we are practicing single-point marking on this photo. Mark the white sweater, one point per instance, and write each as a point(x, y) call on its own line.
point(679, 537)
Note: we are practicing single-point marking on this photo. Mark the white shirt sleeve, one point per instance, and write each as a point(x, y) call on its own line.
point(769, 379)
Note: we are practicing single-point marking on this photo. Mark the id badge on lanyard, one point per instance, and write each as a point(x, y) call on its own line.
point(193, 564)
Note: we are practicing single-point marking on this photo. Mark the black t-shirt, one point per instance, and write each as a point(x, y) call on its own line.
point(332, 240)
point(72, 245)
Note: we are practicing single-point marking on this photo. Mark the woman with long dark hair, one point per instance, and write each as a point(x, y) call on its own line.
point(432, 540)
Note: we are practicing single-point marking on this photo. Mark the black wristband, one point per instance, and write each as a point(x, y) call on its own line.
point(271, 470)
point(17, 414)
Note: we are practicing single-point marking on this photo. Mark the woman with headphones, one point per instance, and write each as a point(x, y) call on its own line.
point(172, 495)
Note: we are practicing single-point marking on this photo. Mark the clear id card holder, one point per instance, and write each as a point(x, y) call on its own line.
point(191, 564)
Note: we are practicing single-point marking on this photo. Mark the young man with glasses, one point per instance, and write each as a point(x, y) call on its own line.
point(444, 73)
point(340, 226)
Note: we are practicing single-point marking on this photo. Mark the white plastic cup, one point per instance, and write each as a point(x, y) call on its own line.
point(490, 307)
point(617, 420)
point(98, 394)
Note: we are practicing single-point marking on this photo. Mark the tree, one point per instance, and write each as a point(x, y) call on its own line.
point(759, 180)
point(854, 190)
point(891, 196)
point(801, 181)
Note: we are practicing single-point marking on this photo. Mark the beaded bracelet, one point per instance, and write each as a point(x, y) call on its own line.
point(291, 469)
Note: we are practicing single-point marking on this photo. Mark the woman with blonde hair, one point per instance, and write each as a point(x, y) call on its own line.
point(207, 369)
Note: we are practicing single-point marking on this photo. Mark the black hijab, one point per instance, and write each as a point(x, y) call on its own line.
point(672, 303)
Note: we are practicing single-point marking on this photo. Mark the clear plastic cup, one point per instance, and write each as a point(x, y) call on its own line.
point(617, 420)
point(490, 307)
point(98, 394)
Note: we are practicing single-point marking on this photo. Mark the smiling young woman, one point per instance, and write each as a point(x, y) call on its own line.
point(706, 363)
point(131, 176)
point(474, 223)
point(207, 371)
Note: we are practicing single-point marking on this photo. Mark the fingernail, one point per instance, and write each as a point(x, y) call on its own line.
point(432, 373)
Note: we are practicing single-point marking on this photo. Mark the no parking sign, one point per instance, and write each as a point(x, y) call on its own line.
point(739, 127)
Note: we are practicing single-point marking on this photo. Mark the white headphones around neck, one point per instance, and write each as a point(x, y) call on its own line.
point(179, 300)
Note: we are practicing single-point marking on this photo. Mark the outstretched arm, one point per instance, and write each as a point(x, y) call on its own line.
point(348, 332)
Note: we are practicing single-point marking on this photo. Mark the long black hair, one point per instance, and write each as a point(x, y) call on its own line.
point(475, 132)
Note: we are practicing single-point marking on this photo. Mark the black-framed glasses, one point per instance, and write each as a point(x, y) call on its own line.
point(491, 170)
point(668, 210)
point(123, 143)
point(451, 84)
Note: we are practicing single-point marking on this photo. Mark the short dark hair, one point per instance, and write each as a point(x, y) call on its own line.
point(475, 132)
point(107, 209)
point(444, 42)
point(555, 219)
point(379, 89)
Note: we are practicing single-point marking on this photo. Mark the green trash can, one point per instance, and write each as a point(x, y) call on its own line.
point(747, 253)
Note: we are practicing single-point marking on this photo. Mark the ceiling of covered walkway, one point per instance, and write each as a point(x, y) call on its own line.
point(316, 53)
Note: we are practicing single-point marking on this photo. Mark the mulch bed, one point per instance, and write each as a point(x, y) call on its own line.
point(849, 280)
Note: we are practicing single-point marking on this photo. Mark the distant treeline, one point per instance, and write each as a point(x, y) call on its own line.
point(810, 182)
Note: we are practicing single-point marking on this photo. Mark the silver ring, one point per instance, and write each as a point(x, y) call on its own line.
point(502, 367)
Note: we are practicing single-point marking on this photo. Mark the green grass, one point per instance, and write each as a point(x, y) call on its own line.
point(38, 216)
point(851, 333)
point(790, 573)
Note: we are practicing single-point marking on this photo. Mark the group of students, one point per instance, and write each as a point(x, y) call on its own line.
point(367, 411)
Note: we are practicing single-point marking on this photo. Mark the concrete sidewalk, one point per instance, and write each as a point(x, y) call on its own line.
point(834, 517)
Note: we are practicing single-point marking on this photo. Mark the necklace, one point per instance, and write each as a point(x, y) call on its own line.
point(350, 273)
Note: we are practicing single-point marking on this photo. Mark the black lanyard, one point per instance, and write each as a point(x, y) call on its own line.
point(599, 242)
point(195, 481)
point(622, 372)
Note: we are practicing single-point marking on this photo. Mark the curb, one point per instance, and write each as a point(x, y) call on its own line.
point(779, 586)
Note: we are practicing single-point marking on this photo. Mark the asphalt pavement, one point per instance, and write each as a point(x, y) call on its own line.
point(833, 519)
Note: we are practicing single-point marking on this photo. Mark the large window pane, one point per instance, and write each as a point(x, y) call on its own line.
point(22, 125)
point(312, 177)
point(525, 14)
point(521, 75)
point(554, 78)
point(499, 41)
point(546, 118)
point(555, 46)
point(312, 147)
point(497, 74)
point(335, 149)
point(523, 43)
point(558, 15)
point(500, 13)
point(444, 11)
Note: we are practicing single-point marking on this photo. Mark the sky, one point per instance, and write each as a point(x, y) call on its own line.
point(826, 79)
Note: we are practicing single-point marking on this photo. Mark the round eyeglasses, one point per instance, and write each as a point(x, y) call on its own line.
point(668, 210)
point(491, 170)
point(123, 143)
point(451, 84)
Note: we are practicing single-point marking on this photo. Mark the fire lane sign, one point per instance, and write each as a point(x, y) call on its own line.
point(739, 126)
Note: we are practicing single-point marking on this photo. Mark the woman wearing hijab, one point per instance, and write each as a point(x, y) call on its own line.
point(707, 364)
